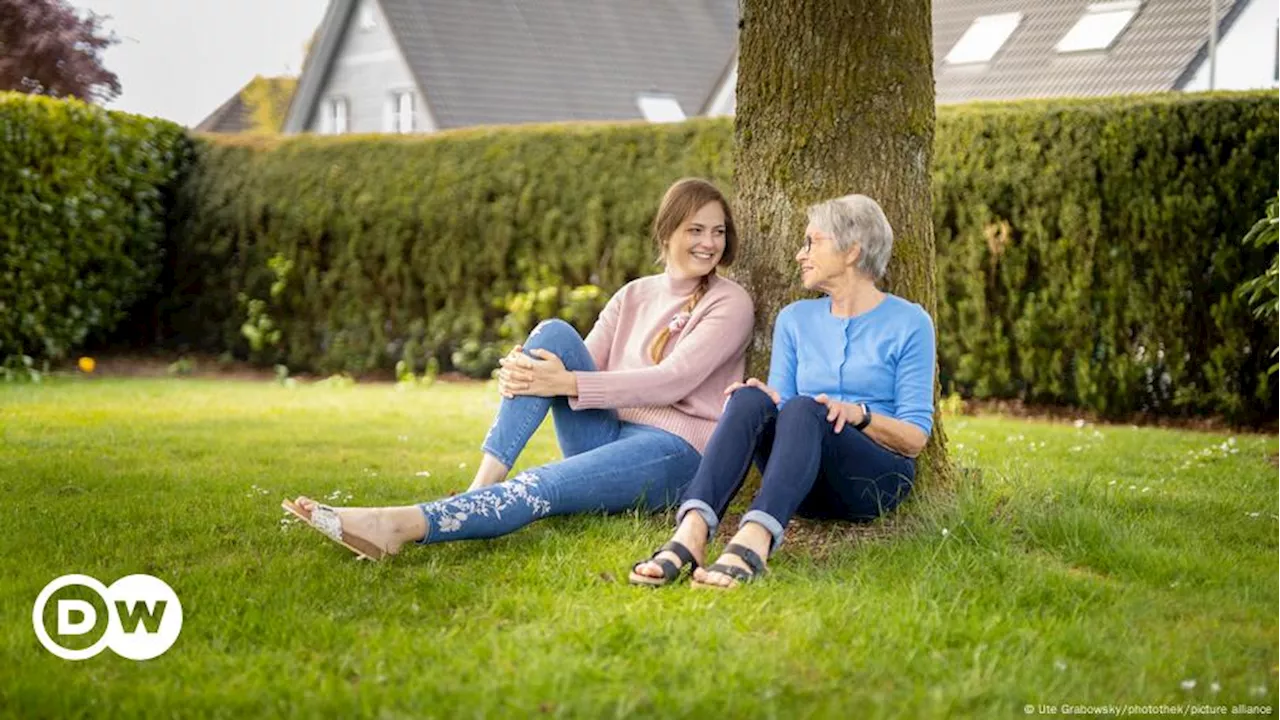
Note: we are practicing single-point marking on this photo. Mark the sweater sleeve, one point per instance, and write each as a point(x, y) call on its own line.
point(782, 359)
point(717, 337)
point(600, 339)
point(913, 386)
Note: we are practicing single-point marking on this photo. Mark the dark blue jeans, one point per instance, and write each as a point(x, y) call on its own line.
point(807, 468)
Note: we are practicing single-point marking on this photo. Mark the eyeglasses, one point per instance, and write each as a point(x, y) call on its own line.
point(807, 245)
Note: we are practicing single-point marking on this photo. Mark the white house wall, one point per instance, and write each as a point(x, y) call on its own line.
point(367, 69)
point(725, 100)
point(1246, 52)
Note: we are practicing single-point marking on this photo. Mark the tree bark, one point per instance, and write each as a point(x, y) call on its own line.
point(834, 97)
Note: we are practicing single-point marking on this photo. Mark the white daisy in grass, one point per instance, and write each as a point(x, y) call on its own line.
point(1189, 684)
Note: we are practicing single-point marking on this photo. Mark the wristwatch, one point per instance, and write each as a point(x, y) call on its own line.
point(866, 417)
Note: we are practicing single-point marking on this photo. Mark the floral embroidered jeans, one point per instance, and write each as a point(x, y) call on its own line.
point(608, 465)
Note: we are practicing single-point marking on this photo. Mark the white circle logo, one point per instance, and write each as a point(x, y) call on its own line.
point(143, 619)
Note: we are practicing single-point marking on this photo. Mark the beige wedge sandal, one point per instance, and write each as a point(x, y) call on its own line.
point(325, 519)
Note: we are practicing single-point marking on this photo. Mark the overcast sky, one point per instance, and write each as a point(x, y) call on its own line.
point(181, 59)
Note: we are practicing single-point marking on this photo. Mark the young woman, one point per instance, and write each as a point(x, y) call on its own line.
point(634, 404)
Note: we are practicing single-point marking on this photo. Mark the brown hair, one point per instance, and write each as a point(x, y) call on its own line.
point(684, 198)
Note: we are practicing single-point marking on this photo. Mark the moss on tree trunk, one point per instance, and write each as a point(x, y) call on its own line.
point(834, 97)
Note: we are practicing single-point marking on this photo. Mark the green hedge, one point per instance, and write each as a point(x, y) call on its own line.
point(83, 200)
point(1088, 250)
point(416, 249)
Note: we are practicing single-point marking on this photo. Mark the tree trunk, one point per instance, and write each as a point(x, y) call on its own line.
point(834, 97)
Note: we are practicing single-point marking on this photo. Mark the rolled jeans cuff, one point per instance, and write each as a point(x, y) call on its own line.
point(768, 522)
point(703, 509)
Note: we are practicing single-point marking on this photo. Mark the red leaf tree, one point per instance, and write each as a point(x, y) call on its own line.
point(48, 48)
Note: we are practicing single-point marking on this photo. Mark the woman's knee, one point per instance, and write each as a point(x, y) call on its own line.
point(801, 409)
point(552, 335)
point(749, 402)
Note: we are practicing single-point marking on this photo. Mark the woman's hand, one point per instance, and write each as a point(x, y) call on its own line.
point(503, 374)
point(840, 413)
point(543, 376)
point(753, 382)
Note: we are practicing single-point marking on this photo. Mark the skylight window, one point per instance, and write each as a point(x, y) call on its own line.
point(1099, 27)
point(660, 108)
point(983, 39)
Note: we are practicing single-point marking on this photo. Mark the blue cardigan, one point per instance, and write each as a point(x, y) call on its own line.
point(884, 357)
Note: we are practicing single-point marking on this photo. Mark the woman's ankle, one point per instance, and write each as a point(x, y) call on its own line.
point(491, 472)
point(407, 523)
point(755, 536)
point(692, 532)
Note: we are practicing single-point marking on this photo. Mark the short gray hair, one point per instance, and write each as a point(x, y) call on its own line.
point(857, 219)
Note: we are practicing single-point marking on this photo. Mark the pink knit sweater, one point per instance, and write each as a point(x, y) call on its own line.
point(683, 394)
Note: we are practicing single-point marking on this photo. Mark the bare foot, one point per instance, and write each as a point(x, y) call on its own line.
point(692, 533)
point(387, 528)
point(752, 536)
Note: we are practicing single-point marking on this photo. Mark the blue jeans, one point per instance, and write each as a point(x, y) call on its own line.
point(608, 466)
point(808, 469)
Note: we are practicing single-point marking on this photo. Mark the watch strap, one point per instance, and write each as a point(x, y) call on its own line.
point(866, 417)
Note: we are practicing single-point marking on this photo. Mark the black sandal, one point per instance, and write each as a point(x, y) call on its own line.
point(748, 556)
point(670, 571)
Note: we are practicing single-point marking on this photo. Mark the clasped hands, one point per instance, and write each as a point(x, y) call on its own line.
point(542, 376)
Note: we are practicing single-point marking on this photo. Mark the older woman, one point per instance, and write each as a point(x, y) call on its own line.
point(848, 406)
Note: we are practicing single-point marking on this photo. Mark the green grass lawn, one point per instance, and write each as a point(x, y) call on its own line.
point(1072, 566)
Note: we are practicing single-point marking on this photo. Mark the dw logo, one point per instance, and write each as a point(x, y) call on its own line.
point(143, 617)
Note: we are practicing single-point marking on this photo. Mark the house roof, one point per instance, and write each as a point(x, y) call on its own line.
point(1159, 50)
point(515, 61)
point(235, 115)
point(232, 116)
